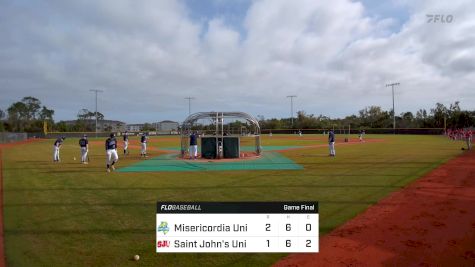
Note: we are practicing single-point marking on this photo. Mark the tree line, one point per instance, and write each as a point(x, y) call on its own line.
point(28, 115)
point(375, 117)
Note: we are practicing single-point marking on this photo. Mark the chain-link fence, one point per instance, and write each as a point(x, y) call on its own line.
point(425, 131)
point(54, 135)
point(6, 137)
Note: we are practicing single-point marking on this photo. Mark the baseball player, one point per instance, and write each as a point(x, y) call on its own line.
point(57, 145)
point(193, 146)
point(111, 152)
point(143, 142)
point(361, 135)
point(84, 145)
point(126, 142)
point(468, 139)
point(331, 143)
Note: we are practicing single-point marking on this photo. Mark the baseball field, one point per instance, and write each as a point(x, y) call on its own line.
point(70, 214)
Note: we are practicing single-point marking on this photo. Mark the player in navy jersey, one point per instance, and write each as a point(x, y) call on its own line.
point(143, 142)
point(193, 145)
point(126, 142)
point(331, 143)
point(111, 152)
point(57, 145)
point(84, 145)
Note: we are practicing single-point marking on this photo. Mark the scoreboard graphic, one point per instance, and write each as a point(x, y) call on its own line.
point(237, 227)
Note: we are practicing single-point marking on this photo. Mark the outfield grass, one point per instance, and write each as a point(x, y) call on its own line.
point(69, 214)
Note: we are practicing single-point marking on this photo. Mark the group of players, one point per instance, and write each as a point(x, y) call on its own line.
point(110, 146)
point(461, 134)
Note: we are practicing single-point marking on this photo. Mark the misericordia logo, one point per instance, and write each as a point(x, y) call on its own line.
point(163, 227)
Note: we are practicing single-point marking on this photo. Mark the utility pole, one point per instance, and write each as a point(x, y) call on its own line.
point(95, 113)
point(292, 108)
point(189, 104)
point(394, 111)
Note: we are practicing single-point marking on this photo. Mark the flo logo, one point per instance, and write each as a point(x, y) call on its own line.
point(438, 18)
point(163, 227)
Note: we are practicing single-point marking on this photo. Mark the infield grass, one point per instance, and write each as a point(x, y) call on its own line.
point(69, 214)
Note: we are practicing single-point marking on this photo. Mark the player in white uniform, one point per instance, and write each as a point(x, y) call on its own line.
point(143, 143)
point(84, 145)
point(126, 142)
point(57, 145)
point(361, 135)
point(193, 146)
point(331, 143)
point(111, 152)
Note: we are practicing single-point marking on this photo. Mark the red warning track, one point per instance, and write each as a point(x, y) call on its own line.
point(429, 223)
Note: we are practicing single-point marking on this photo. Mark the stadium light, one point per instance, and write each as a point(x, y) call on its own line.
point(292, 108)
point(95, 113)
point(394, 111)
point(189, 104)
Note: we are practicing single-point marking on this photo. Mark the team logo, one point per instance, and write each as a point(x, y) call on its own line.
point(163, 243)
point(163, 227)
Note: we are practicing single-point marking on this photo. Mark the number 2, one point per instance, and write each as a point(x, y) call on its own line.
point(308, 244)
point(267, 226)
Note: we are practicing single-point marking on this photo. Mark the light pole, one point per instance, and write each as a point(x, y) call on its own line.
point(189, 104)
point(292, 108)
point(95, 113)
point(394, 111)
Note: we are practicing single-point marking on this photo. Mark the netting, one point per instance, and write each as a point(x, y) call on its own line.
point(221, 134)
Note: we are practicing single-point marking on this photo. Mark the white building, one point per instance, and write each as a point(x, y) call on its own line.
point(167, 126)
point(134, 127)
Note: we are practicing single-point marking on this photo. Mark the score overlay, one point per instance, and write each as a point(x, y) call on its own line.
point(237, 227)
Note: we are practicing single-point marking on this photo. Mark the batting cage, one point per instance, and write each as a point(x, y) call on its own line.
point(222, 135)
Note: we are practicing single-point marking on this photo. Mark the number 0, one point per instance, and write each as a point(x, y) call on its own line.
point(308, 227)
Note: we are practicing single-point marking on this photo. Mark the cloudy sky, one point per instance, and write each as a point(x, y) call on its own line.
point(240, 55)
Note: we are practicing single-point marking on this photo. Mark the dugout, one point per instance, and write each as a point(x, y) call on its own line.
point(223, 135)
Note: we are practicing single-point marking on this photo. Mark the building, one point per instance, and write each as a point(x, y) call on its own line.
point(134, 127)
point(167, 126)
point(163, 127)
point(102, 125)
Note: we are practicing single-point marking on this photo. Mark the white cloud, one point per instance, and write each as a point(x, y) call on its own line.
point(149, 55)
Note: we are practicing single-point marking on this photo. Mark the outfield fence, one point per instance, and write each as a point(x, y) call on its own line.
point(422, 131)
point(418, 131)
point(54, 135)
point(7, 137)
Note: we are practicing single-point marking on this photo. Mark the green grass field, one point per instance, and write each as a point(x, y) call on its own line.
point(70, 214)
